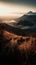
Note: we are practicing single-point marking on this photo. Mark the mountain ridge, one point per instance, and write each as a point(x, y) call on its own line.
point(26, 20)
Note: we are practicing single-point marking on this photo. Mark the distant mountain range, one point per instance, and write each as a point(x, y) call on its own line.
point(26, 21)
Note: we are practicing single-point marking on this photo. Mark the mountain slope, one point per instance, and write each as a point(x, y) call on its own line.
point(27, 20)
point(18, 49)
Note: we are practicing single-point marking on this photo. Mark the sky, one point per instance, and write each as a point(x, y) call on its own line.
point(16, 8)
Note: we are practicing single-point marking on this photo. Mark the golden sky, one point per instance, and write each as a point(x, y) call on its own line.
point(9, 12)
point(14, 10)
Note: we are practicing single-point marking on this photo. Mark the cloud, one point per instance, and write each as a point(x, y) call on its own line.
point(28, 2)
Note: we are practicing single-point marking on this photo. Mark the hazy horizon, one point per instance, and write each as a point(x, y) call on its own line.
point(16, 8)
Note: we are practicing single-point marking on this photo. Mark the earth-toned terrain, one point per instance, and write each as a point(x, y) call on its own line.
point(17, 49)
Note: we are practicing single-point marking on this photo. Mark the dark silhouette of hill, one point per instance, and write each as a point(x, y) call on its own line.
point(30, 18)
point(18, 31)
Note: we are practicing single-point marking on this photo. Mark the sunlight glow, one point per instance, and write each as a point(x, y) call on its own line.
point(6, 10)
point(10, 12)
point(13, 10)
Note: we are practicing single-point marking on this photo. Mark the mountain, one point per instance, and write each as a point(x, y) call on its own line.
point(27, 21)
point(31, 13)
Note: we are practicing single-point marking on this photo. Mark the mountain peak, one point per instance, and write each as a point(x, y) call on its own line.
point(30, 12)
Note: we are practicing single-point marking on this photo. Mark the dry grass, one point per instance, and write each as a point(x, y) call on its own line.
point(22, 47)
point(26, 44)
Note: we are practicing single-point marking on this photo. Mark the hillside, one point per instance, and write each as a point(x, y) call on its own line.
point(17, 48)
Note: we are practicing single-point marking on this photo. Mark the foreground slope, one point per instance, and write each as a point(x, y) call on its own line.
point(17, 48)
